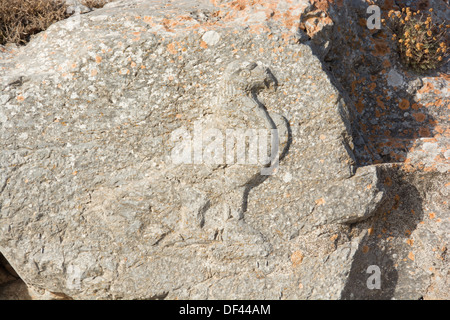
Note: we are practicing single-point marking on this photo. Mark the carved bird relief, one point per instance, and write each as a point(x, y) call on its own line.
point(239, 119)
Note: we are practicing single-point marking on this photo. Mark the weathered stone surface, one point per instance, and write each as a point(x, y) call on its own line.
point(402, 117)
point(93, 205)
point(13, 288)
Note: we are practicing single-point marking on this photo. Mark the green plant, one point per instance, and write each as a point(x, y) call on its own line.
point(422, 43)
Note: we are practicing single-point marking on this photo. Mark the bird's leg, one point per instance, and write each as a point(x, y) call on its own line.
point(241, 238)
point(234, 208)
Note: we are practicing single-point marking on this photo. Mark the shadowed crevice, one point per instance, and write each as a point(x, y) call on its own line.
point(381, 246)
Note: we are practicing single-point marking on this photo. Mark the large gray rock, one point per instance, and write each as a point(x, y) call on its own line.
point(410, 238)
point(99, 198)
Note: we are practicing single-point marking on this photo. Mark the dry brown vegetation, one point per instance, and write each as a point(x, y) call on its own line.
point(95, 3)
point(20, 19)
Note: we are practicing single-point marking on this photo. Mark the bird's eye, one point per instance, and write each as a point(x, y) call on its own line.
point(245, 73)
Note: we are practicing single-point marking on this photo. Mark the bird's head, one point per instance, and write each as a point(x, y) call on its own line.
point(248, 77)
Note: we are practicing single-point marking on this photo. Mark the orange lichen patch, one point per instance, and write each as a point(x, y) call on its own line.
point(403, 104)
point(416, 106)
point(203, 44)
point(386, 63)
point(290, 20)
point(426, 88)
point(439, 158)
point(320, 201)
point(432, 215)
point(420, 117)
point(239, 5)
point(258, 29)
point(397, 202)
point(360, 106)
point(388, 181)
point(98, 59)
point(189, 18)
point(321, 4)
point(410, 242)
point(363, 127)
point(94, 72)
point(171, 48)
point(365, 249)
point(381, 48)
point(424, 132)
point(432, 140)
point(372, 86)
point(408, 168)
point(286, 37)
point(269, 13)
point(411, 256)
point(353, 85)
point(312, 25)
point(380, 103)
point(430, 169)
point(297, 258)
point(20, 98)
point(333, 237)
point(362, 22)
point(168, 24)
point(388, 5)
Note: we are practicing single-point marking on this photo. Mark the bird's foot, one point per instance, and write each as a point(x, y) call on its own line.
point(233, 214)
point(245, 240)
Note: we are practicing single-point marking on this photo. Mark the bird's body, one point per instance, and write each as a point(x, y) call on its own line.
point(238, 119)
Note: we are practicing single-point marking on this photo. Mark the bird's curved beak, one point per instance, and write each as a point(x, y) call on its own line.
point(270, 81)
point(266, 78)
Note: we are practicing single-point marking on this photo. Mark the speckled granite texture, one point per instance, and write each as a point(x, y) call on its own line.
point(92, 205)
